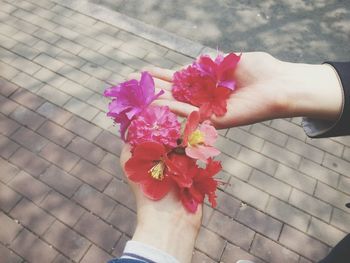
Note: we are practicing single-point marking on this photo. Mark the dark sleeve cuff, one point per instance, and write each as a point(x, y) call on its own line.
point(316, 128)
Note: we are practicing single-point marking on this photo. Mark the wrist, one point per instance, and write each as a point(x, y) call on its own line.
point(313, 91)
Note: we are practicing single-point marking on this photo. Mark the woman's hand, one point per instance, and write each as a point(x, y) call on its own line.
point(268, 88)
point(164, 224)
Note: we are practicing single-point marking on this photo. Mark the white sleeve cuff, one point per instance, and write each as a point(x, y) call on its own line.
point(146, 253)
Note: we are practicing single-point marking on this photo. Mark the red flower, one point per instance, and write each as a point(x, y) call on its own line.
point(203, 184)
point(190, 86)
point(147, 167)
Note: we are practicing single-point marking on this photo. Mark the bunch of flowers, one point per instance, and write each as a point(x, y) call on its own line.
point(166, 154)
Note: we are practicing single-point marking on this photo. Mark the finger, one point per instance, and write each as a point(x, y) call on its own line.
point(125, 155)
point(161, 73)
point(162, 84)
point(167, 95)
point(179, 108)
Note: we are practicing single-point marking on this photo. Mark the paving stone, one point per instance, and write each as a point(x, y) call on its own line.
point(123, 219)
point(69, 59)
point(109, 142)
point(6, 88)
point(336, 164)
point(344, 183)
point(29, 139)
point(54, 113)
point(259, 222)
point(49, 62)
point(31, 248)
point(289, 128)
point(257, 160)
point(49, 36)
point(217, 243)
point(68, 45)
point(341, 220)
point(319, 172)
point(111, 164)
point(119, 248)
point(296, 179)
point(94, 255)
point(25, 51)
point(7, 147)
point(281, 155)
point(59, 156)
point(8, 198)
point(270, 185)
point(75, 90)
point(94, 201)
point(311, 205)
point(199, 257)
point(9, 229)
point(177, 58)
point(121, 192)
point(227, 204)
point(53, 95)
point(27, 117)
point(234, 232)
point(27, 98)
point(29, 162)
point(272, 251)
point(325, 232)
point(81, 109)
point(234, 167)
point(50, 77)
point(66, 240)
point(305, 150)
point(247, 193)
point(32, 217)
point(56, 133)
point(25, 65)
point(327, 145)
point(227, 146)
point(269, 134)
point(100, 233)
point(7, 106)
point(86, 149)
point(60, 180)
point(8, 256)
point(99, 102)
point(37, 190)
point(83, 128)
point(8, 171)
point(158, 61)
point(73, 74)
point(92, 175)
point(332, 196)
point(248, 140)
point(61, 259)
point(233, 253)
point(47, 48)
point(296, 241)
point(25, 38)
point(62, 208)
point(288, 214)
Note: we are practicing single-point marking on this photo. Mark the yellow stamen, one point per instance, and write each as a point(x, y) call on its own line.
point(196, 137)
point(157, 171)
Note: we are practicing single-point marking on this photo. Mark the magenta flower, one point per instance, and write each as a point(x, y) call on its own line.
point(129, 99)
point(155, 124)
point(221, 70)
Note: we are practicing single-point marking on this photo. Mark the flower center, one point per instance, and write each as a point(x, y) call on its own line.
point(157, 171)
point(196, 137)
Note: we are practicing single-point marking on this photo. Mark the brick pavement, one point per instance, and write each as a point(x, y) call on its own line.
point(63, 197)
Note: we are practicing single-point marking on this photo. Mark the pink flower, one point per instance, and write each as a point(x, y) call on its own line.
point(199, 138)
point(156, 124)
point(221, 70)
point(129, 99)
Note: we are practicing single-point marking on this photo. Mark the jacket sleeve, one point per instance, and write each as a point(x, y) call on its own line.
point(316, 128)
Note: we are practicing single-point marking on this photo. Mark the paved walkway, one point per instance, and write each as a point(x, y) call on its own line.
point(63, 197)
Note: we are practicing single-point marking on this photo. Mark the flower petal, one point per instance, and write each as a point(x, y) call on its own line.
point(191, 125)
point(201, 152)
point(155, 189)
